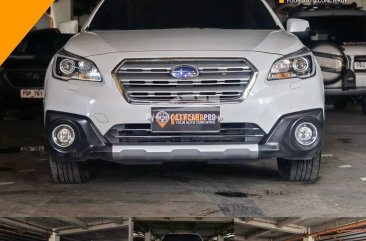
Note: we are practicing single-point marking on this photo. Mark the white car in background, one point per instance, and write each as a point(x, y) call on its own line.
point(338, 40)
point(148, 82)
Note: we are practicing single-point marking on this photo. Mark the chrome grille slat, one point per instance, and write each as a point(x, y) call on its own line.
point(145, 71)
point(164, 77)
point(164, 71)
point(184, 89)
point(150, 80)
point(167, 64)
point(184, 95)
point(222, 71)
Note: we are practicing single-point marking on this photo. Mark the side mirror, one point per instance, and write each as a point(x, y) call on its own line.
point(299, 27)
point(69, 27)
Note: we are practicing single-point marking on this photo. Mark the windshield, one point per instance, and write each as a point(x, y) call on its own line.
point(338, 29)
point(41, 44)
point(172, 14)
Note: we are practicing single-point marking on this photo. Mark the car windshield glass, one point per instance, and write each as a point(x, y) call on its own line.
point(338, 29)
point(172, 14)
point(182, 237)
point(41, 44)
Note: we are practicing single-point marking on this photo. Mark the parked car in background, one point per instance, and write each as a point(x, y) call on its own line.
point(338, 40)
point(22, 74)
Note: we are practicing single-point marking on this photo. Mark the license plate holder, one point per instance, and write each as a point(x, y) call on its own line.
point(185, 119)
point(31, 93)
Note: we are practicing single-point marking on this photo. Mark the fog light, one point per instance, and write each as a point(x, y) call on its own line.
point(63, 136)
point(306, 133)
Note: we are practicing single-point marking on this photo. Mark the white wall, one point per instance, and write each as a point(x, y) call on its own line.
point(62, 11)
point(44, 22)
point(361, 3)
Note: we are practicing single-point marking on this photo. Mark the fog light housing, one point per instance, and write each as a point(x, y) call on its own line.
point(63, 136)
point(306, 134)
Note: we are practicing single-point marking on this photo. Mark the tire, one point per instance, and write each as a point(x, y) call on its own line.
point(326, 49)
point(69, 172)
point(364, 108)
point(299, 170)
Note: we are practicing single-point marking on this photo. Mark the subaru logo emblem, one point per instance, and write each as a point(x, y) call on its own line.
point(185, 72)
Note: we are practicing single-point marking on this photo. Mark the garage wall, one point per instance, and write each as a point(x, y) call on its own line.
point(44, 22)
point(62, 11)
point(361, 3)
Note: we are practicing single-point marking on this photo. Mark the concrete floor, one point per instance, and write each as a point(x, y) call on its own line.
point(252, 189)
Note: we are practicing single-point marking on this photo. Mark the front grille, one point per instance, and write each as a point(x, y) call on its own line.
point(26, 78)
point(230, 133)
point(219, 80)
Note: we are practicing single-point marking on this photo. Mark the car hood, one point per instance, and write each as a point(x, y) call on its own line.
point(102, 42)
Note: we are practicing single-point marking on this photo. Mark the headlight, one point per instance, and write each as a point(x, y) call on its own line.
point(68, 66)
point(297, 65)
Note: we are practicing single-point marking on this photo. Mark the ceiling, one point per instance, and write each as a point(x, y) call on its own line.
point(245, 229)
point(207, 228)
point(69, 229)
point(293, 229)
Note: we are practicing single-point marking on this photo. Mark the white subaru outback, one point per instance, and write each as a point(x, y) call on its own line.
point(148, 82)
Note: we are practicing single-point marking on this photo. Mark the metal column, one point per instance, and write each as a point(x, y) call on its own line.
point(130, 229)
point(54, 237)
point(148, 236)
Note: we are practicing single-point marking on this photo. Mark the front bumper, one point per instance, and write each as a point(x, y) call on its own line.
point(356, 86)
point(341, 92)
point(91, 144)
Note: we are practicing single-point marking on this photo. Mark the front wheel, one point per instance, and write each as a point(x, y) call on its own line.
point(69, 172)
point(299, 170)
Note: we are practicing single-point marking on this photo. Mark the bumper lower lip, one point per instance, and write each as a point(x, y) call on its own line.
point(185, 152)
point(337, 92)
point(93, 145)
